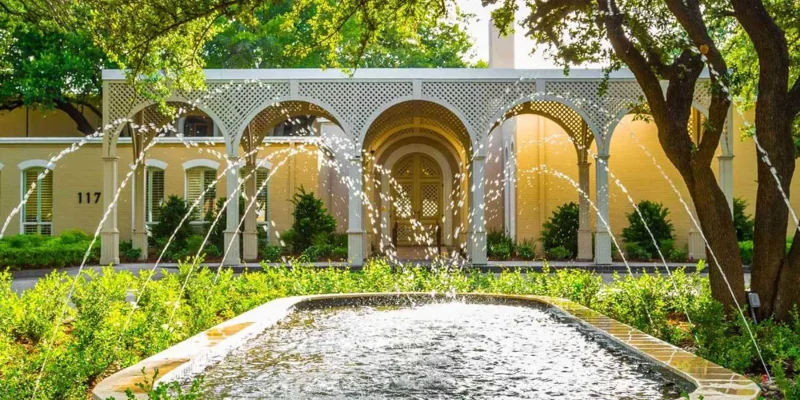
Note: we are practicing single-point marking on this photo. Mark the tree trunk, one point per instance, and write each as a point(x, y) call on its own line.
point(81, 122)
point(774, 274)
point(716, 223)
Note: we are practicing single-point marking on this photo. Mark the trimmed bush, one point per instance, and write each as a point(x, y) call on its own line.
point(271, 253)
point(655, 216)
point(311, 219)
point(36, 251)
point(559, 253)
point(743, 222)
point(127, 253)
point(634, 251)
point(499, 245)
point(561, 230)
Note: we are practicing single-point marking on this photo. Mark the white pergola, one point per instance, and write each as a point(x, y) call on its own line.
point(479, 98)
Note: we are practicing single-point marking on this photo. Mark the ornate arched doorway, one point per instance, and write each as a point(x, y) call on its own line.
point(417, 201)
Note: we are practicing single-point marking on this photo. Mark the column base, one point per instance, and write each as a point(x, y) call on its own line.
point(232, 258)
point(602, 248)
point(585, 245)
point(477, 248)
point(139, 241)
point(250, 246)
point(355, 248)
point(697, 246)
point(109, 248)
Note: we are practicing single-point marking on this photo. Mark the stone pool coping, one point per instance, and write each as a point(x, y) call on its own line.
point(187, 358)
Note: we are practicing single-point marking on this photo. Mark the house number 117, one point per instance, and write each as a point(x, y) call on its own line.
point(88, 197)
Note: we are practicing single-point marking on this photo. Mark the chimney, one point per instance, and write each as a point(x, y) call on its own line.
point(501, 48)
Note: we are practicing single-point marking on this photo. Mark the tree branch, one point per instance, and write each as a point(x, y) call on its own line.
point(82, 123)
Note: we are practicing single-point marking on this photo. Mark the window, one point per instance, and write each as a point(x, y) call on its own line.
point(198, 126)
point(155, 194)
point(37, 212)
point(262, 198)
point(296, 126)
point(197, 181)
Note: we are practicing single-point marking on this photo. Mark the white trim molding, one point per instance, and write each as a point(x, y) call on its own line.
point(263, 164)
point(1, 166)
point(156, 164)
point(36, 163)
point(200, 162)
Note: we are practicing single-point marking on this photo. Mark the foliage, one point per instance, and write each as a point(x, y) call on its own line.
point(217, 236)
point(94, 340)
point(561, 230)
point(743, 222)
point(635, 251)
point(311, 218)
point(653, 216)
point(526, 250)
point(278, 29)
point(127, 253)
point(746, 251)
point(193, 244)
point(170, 391)
point(672, 253)
point(499, 245)
point(171, 214)
point(271, 253)
point(36, 251)
point(559, 253)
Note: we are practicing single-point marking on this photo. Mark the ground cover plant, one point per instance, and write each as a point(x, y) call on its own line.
point(97, 338)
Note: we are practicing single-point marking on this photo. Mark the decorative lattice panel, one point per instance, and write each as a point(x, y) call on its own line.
point(479, 101)
point(430, 200)
point(402, 200)
point(405, 168)
point(355, 101)
point(271, 116)
point(602, 110)
point(428, 168)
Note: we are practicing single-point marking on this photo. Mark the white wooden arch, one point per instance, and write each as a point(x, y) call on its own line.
point(253, 113)
point(498, 115)
point(36, 164)
point(150, 162)
point(200, 162)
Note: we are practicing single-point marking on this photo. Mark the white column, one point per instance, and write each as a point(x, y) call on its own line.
point(584, 220)
point(355, 226)
point(139, 228)
point(250, 234)
point(726, 178)
point(602, 236)
point(232, 213)
point(477, 240)
point(109, 234)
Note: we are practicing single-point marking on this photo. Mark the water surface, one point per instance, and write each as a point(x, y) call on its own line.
point(433, 351)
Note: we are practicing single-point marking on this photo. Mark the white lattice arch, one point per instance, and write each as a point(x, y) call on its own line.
point(542, 98)
point(174, 99)
point(257, 109)
point(375, 115)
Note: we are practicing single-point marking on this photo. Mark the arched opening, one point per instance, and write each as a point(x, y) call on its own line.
point(416, 159)
point(537, 152)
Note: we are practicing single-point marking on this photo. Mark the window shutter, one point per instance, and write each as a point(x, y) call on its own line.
point(32, 205)
point(262, 196)
point(155, 194)
point(38, 210)
point(46, 189)
point(194, 188)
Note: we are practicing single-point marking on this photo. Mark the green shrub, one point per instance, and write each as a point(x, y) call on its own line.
point(655, 216)
point(744, 223)
point(339, 253)
point(746, 252)
point(271, 253)
point(317, 252)
point(559, 253)
point(311, 218)
point(127, 253)
point(561, 230)
point(499, 245)
point(171, 213)
point(526, 250)
point(217, 236)
point(634, 251)
point(36, 251)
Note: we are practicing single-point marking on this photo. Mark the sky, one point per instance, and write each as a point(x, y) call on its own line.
point(523, 59)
